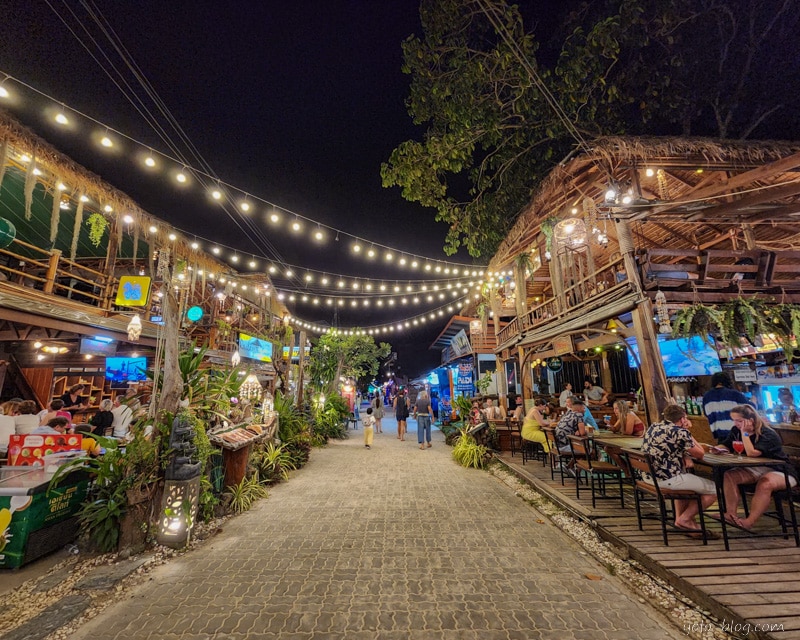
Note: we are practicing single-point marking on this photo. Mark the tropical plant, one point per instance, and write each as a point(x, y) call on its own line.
point(785, 322)
point(272, 463)
point(698, 320)
point(463, 407)
point(298, 447)
point(744, 317)
point(484, 382)
point(207, 501)
point(290, 420)
point(329, 422)
point(243, 495)
point(337, 355)
point(468, 453)
point(97, 224)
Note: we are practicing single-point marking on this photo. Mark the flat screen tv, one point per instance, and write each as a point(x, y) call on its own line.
point(255, 348)
point(121, 371)
point(682, 357)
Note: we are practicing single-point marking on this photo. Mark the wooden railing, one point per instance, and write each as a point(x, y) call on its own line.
point(48, 271)
point(753, 270)
point(599, 284)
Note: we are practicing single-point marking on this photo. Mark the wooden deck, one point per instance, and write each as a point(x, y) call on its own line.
point(756, 582)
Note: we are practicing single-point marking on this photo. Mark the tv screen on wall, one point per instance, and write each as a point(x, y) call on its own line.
point(255, 348)
point(682, 357)
point(120, 371)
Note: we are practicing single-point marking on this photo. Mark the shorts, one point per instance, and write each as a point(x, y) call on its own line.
point(689, 482)
point(757, 472)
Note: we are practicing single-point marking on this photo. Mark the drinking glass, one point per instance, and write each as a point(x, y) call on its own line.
point(738, 447)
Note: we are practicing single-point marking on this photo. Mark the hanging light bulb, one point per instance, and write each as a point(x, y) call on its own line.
point(106, 141)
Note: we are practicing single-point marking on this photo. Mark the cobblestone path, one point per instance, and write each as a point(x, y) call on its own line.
point(391, 542)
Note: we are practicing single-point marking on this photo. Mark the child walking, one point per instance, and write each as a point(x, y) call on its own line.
point(369, 427)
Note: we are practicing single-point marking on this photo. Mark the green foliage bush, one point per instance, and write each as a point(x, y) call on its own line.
point(469, 453)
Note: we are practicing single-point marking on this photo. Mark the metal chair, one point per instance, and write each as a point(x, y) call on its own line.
point(515, 437)
point(597, 472)
point(641, 465)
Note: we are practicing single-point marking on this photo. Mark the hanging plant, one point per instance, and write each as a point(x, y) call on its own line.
point(783, 321)
point(547, 227)
point(745, 317)
point(97, 226)
point(698, 320)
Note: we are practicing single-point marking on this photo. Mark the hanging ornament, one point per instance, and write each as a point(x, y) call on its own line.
point(55, 216)
point(134, 328)
point(163, 264)
point(30, 183)
point(663, 190)
point(76, 229)
point(7, 233)
point(236, 359)
point(662, 314)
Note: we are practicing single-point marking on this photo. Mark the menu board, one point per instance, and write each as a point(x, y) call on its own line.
point(30, 450)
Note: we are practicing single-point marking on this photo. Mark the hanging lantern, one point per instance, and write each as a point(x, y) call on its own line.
point(236, 359)
point(662, 314)
point(7, 233)
point(134, 328)
point(571, 232)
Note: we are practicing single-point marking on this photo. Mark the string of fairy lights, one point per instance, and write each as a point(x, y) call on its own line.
point(443, 280)
point(223, 193)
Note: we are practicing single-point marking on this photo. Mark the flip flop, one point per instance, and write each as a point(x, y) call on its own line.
point(697, 534)
point(736, 521)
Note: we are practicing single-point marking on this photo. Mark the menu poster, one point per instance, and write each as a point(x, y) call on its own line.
point(30, 450)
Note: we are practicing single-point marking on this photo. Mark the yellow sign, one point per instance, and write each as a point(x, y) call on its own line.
point(133, 291)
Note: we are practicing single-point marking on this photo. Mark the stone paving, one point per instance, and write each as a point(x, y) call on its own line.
point(393, 543)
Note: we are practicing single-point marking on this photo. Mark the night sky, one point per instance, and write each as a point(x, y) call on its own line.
point(297, 103)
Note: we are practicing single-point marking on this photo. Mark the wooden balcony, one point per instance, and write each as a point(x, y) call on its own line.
point(593, 291)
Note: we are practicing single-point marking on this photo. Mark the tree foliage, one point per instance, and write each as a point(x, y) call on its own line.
point(336, 355)
point(708, 67)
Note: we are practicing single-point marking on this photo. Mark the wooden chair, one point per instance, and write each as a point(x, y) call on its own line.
point(641, 465)
point(596, 472)
point(515, 437)
point(557, 459)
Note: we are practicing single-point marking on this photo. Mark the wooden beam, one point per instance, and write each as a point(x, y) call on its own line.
point(753, 199)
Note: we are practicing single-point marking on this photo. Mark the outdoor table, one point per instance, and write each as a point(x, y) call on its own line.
point(34, 519)
point(719, 464)
point(616, 440)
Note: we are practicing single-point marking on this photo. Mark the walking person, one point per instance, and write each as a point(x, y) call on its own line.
point(377, 411)
point(401, 414)
point(422, 414)
point(368, 423)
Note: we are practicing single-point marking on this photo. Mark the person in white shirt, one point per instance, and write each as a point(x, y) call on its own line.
point(566, 393)
point(27, 420)
point(123, 415)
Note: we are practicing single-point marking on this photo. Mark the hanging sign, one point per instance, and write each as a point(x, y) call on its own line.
point(555, 364)
point(133, 291)
point(464, 379)
point(194, 313)
point(460, 345)
point(744, 375)
point(562, 345)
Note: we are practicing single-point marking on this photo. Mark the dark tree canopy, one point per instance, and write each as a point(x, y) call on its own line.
point(721, 68)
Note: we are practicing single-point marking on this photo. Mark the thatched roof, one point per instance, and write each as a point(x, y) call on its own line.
point(701, 193)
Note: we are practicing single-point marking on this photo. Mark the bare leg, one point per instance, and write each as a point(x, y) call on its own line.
point(766, 485)
point(686, 511)
point(730, 485)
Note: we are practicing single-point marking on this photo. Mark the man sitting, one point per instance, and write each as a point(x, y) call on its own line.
point(570, 424)
point(668, 442)
point(596, 396)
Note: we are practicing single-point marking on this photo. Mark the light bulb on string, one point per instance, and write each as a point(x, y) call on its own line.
point(106, 141)
point(149, 160)
point(296, 225)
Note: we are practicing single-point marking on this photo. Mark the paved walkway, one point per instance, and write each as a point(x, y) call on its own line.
point(393, 543)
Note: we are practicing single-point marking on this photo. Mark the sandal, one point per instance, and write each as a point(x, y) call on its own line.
point(736, 521)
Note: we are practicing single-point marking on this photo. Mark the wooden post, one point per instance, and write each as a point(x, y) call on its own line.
point(605, 371)
point(52, 269)
point(300, 368)
point(520, 300)
point(114, 239)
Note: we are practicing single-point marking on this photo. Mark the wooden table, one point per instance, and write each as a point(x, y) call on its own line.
point(616, 440)
point(720, 463)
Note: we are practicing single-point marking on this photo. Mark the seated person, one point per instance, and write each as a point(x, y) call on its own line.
point(785, 410)
point(56, 410)
point(565, 395)
point(588, 418)
point(26, 421)
point(533, 423)
point(759, 440)
point(596, 396)
point(103, 419)
point(571, 423)
point(494, 412)
point(61, 426)
point(627, 423)
point(668, 442)
point(476, 416)
point(518, 411)
point(123, 414)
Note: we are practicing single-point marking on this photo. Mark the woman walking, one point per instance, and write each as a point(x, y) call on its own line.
point(423, 413)
point(401, 414)
point(377, 411)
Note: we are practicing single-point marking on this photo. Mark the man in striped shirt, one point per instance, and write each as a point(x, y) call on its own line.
point(718, 402)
